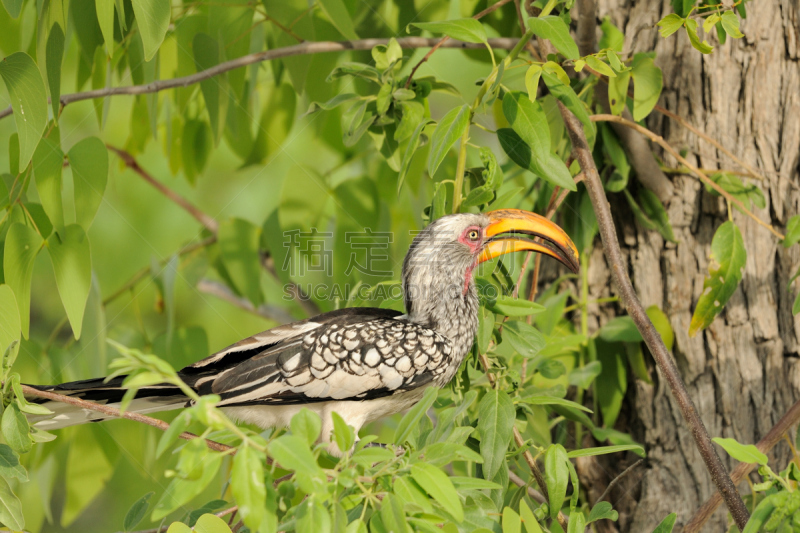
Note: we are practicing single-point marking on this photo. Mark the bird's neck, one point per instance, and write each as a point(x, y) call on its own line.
point(449, 306)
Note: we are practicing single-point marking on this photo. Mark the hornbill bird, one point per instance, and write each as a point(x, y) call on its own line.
point(362, 363)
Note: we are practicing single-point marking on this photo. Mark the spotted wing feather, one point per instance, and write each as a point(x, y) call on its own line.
point(359, 355)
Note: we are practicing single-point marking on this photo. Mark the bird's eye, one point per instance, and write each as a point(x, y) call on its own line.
point(473, 235)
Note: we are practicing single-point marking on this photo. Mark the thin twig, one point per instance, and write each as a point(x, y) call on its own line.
point(769, 441)
point(444, 40)
point(696, 171)
point(116, 413)
point(533, 493)
point(270, 312)
point(207, 221)
point(635, 309)
point(617, 480)
point(304, 48)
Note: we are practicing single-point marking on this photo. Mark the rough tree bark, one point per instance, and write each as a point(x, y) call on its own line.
point(743, 372)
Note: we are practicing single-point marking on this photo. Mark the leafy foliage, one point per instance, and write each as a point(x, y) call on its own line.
point(378, 152)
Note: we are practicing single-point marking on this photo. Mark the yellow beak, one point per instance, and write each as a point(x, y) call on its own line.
point(512, 230)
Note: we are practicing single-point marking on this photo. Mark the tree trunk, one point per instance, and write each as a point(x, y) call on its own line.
point(743, 372)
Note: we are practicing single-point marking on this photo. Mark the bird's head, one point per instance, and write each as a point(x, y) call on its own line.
point(444, 255)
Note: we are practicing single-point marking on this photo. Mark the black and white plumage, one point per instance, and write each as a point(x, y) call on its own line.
point(362, 363)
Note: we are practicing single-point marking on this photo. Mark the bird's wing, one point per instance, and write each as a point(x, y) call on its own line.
point(351, 354)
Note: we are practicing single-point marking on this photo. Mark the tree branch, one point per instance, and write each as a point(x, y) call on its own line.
point(116, 413)
point(772, 438)
point(697, 172)
point(270, 312)
point(617, 480)
point(210, 224)
point(207, 221)
point(444, 40)
point(587, 27)
point(317, 47)
point(635, 309)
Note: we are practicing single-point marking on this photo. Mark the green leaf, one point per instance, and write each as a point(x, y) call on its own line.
point(207, 53)
point(210, 523)
point(248, 487)
point(392, 514)
point(600, 67)
point(340, 17)
point(411, 149)
point(306, 424)
point(577, 521)
point(603, 450)
point(526, 339)
point(343, 435)
point(54, 53)
point(792, 231)
point(333, 103)
point(670, 24)
point(620, 329)
point(506, 305)
point(528, 518)
point(584, 376)
point(745, 453)
point(28, 101)
point(48, 161)
point(612, 38)
point(448, 131)
point(170, 436)
point(602, 511)
point(532, 76)
point(647, 85)
point(612, 383)
point(667, 524)
point(556, 476)
point(105, 18)
point(725, 268)
point(9, 465)
point(473, 483)
point(564, 93)
point(467, 30)
point(14, 7)
point(557, 32)
point(701, 46)
point(662, 325)
point(496, 417)
point(71, 257)
point(15, 429)
point(138, 510)
point(413, 114)
point(529, 120)
point(511, 521)
point(88, 159)
point(749, 195)
point(10, 508)
point(411, 419)
point(439, 487)
point(654, 210)
point(730, 22)
point(153, 18)
point(179, 527)
point(544, 399)
point(293, 453)
point(618, 92)
point(238, 244)
point(181, 490)
point(21, 246)
point(9, 318)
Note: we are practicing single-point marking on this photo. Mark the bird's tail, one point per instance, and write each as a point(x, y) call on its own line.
point(148, 400)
